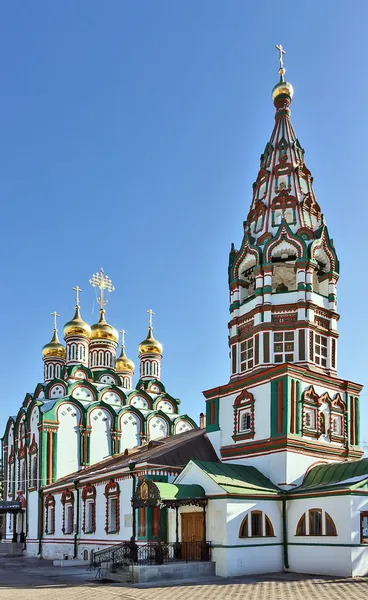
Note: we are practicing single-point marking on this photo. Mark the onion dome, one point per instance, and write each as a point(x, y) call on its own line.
point(54, 348)
point(77, 326)
point(123, 363)
point(150, 345)
point(103, 331)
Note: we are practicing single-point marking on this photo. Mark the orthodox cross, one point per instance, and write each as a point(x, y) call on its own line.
point(77, 291)
point(103, 282)
point(151, 313)
point(55, 315)
point(282, 51)
point(123, 334)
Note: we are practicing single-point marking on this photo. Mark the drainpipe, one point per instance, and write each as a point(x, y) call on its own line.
point(284, 531)
point(40, 474)
point(76, 527)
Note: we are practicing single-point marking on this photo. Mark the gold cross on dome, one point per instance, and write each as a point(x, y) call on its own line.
point(151, 313)
point(103, 282)
point(55, 315)
point(77, 290)
point(123, 334)
point(281, 51)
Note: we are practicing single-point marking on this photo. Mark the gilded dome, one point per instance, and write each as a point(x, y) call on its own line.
point(150, 345)
point(123, 363)
point(77, 326)
point(54, 348)
point(283, 88)
point(103, 331)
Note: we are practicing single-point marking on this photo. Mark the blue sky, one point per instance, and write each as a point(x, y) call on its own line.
point(130, 138)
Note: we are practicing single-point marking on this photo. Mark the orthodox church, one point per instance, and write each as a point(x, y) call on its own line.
point(271, 480)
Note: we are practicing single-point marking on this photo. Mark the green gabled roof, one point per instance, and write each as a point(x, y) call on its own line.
point(346, 475)
point(238, 479)
point(172, 491)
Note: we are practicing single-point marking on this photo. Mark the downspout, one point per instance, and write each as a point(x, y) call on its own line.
point(76, 530)
point(284, 531)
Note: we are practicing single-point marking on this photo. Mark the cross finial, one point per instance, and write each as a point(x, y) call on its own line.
point(55, 315)
point(77, 290)
point(103, 282)
point(281, 51)
point(123, 334)
point(151, 313)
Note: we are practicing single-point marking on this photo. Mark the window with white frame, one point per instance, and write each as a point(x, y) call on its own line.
point(69, 517)
point(90, 507)
point(337, 425)
point(22, 475)
point(246, 355)
point(113, 512)
point(310, 418)
point(245, 421)
point(320, 350)
point(283, 346)
point(33, 469)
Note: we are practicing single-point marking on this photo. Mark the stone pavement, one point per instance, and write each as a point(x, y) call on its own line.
point(31, 579)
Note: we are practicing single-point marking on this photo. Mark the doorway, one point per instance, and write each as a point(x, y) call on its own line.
point(192, 532)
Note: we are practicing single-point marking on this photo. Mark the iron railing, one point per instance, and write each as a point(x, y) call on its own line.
point(152, 553)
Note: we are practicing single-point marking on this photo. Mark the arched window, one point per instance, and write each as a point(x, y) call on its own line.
point(246, 421)
point(108, 359)
point(319, 523)
point(50, 515)
point(73, 352)
point(57, 370)
point(258, 525)
point(100, 358)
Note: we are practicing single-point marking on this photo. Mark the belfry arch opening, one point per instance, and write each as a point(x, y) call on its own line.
point(283, 258)
point(247, 278)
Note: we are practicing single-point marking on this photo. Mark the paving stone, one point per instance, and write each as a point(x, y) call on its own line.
point(31, 579)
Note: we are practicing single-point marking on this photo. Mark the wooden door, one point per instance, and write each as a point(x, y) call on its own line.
point(192, 530)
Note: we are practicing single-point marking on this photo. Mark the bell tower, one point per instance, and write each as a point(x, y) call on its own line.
point(283, 321)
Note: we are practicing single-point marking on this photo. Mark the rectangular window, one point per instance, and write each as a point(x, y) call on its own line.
point(256, 523)
point(246, 355)
point(89, 517)
point(283, 346)
point(337, 425)
point(315, 522)
point(68, 518)
point(22, 474)
point(33, 482)
point(310, 419)
point(113, 507)
point(245, 421)
point(320, 350)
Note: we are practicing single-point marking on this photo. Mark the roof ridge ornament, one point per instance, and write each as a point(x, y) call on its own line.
point(282, 68)
point(283, 88)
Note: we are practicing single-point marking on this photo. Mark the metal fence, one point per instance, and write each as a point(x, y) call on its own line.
point(152, 553)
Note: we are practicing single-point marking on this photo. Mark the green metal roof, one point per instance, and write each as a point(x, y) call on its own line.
point(346, 475)
point(238, 479)
point(172, 491)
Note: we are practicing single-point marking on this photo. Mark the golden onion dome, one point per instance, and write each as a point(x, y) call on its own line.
point(103, 331)
point(77, 326)
point(54, 348)
point(150, 345)
point(123, 363)
point(283, 88)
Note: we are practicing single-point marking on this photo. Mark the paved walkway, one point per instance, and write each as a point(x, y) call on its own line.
point(31, 579)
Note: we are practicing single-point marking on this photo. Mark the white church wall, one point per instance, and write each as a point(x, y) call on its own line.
point(69, 418)
point(359, 553)
point(241, 556)
point(327, 555)
point(100, 437)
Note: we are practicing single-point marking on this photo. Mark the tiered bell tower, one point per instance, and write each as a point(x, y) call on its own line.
point(283, 323)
